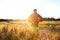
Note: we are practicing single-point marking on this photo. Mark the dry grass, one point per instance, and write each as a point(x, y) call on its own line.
point(24, 31)
point(20, 31)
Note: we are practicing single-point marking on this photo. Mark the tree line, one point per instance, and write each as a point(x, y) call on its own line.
point(51, 19)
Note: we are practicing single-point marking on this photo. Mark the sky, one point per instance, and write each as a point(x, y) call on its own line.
point(21, 9)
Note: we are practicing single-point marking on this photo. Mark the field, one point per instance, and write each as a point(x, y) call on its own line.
point(22, 30)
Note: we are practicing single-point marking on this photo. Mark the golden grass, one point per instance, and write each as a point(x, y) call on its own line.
point(22, 30)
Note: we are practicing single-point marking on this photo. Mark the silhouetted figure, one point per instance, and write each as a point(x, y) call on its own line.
point(34, 18)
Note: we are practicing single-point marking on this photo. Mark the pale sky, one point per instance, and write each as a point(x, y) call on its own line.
point(21, 9)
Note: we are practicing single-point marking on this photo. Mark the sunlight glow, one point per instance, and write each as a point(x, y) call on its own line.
point(21, 9)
